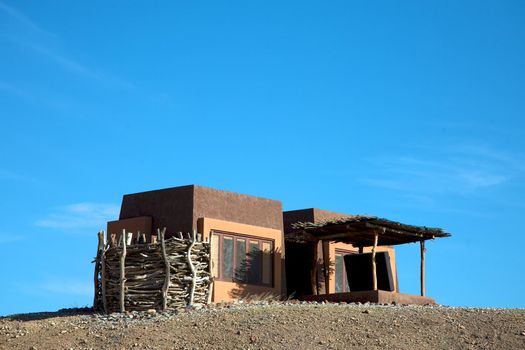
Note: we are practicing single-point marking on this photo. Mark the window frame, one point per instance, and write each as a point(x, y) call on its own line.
point(345, 283)
point(247, 238)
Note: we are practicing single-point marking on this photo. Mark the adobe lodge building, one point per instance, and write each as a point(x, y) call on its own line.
point(259, 250)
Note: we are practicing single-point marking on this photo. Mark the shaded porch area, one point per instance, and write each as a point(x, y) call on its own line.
point(362, 232)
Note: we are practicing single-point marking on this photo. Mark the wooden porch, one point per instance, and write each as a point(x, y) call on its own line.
point(363, 231)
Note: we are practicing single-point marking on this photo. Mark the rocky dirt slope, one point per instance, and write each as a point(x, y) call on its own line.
point(272, 326)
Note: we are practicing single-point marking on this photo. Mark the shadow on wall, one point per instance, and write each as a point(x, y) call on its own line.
point(254, 276)
point(303, 276)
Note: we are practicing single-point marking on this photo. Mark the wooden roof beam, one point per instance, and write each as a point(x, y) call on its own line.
point(334, 236)
point(400, 232)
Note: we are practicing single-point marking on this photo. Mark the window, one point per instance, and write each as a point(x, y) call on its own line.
point(242, 258)
point(341, 281)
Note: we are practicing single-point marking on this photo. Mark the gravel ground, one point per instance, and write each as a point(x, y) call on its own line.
point(271, 325)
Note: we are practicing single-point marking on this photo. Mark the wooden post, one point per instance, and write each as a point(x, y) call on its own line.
point(192, 268)
point(374, 270)
point(123, 272)
point(313, 270)
point(210, 269)
point(167, 269)
point(326, 265)
point(360, 250)
point(96, 281)
point(423, 250)
point(103, 280)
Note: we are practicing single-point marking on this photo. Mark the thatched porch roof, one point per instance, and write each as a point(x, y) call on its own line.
point(360, 231)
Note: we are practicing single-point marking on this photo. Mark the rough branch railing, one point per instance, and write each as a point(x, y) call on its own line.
point(166, 274)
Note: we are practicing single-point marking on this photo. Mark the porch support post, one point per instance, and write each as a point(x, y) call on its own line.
point(326, 266)
point(423, 250)
point(374, 270)
point(313, 269)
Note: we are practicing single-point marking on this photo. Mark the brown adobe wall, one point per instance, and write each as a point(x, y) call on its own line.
point(171, 208)
point(292, 216)
point(236, 207)
point(308, 215)
point(323, 215)
point(140, 224)
point(179, 208)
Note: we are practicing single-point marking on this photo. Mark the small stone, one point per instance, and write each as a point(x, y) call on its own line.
point(523, 333)
point(152, 312)
point(366, 311)
point(239, 332)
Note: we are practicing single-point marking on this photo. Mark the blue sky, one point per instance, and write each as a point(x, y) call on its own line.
point(409, 110)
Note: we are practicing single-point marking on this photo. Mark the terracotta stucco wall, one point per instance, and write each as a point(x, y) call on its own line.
point(243, 209)
point(349, 247)
point(228, 291)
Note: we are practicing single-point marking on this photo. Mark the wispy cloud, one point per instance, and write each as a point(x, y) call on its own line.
point(12, 90)
point(21, 19)
point(29, 35)
point(464, 170)
point(14, 176)
point(80, 216)
point(6, 238)
point(80, 69)
point(67, 63)
point(41, 97)
point(69, 287)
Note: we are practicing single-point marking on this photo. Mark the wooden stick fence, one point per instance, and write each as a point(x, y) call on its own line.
point(167, 274)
